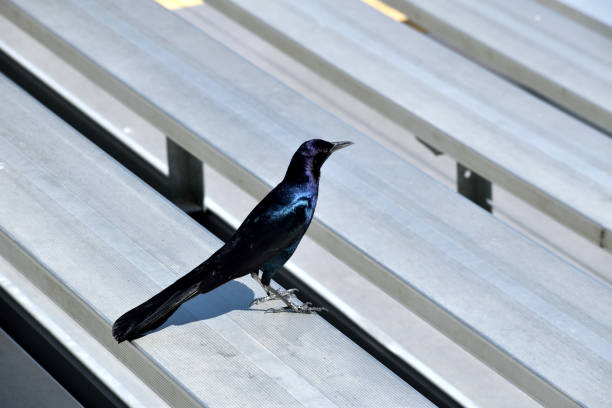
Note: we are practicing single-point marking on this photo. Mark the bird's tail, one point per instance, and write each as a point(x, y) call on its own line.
point(155, 311)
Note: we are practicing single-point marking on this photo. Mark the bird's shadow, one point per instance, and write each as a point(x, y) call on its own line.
point(231, 296)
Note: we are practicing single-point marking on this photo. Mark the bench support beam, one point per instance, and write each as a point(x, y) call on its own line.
point(185, 179)
point(471, 185)
point(474, 187)
point(432, 149)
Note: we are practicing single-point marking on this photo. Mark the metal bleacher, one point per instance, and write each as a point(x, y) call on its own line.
point(487, 124)
point(98, 240)
point(511, 323)
point(547, 51)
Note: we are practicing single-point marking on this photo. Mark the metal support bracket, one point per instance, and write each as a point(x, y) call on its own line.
point(471, 185)
point(474, 187)
point(432, 149)
point(185, 179)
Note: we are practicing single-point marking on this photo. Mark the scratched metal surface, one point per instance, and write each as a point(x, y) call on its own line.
point(535, 319)
point(99, 241)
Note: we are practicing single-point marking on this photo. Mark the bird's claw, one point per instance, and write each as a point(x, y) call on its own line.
point(285, 297)
point(286, 294)
point(306, 308)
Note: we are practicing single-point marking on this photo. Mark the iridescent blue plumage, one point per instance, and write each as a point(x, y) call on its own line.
point(265, 241)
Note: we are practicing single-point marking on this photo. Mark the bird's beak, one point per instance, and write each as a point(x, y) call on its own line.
point(339, 145)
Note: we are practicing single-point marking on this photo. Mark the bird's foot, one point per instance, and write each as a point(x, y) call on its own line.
point(280, 295)
point(293, 308)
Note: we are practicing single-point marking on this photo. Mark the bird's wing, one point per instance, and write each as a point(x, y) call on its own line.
point(273, 225)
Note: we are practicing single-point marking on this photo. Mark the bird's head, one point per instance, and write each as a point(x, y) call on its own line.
point(310, 156)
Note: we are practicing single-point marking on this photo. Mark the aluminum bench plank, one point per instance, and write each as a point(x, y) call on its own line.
point(433, 251)
point(63, 329)
point(443, 362)
point(542, 155)
point(99, 241)
point(530, 43)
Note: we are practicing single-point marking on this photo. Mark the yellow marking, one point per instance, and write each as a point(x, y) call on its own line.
point(387, 10)
point(178, 4)
point(394, 14)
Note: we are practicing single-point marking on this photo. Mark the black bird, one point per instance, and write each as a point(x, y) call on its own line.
point(266, 239)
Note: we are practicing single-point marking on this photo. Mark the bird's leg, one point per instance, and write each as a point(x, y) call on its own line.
point(304, 308)
point(272, 294)
point(284, 296)
point(292, 307)
point(255, 276)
